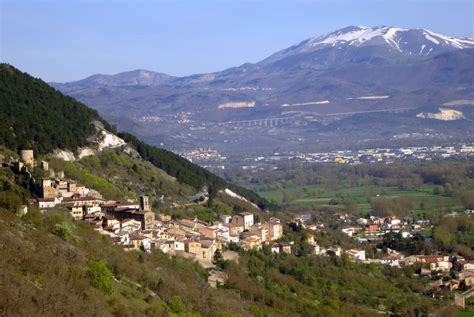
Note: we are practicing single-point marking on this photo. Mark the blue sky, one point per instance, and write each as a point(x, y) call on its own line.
point(71, 39)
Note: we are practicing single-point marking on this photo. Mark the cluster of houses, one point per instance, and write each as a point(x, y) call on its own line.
point(190, 238)
point(447, 272)
point(451, 272)
point(357, 255)
point(134, 226)
point(373, 229)
point(370, 156)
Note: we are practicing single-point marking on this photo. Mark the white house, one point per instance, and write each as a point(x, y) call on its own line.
point(356, 255)
point(48, 202)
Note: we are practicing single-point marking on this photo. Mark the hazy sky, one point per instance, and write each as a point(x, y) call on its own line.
point(71, 39)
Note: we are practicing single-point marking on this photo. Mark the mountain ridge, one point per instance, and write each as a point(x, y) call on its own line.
point(349, 35)
point(137, 77)
point(397, 38)
point(319, 81)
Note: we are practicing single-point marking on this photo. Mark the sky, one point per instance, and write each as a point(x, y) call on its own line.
point(66, 40)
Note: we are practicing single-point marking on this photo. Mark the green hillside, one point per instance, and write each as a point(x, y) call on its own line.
point(37, 116)
point(52, 265)
point(118, 175)
point(189, 173)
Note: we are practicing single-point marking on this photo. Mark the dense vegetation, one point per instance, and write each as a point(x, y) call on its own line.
point(36, 116)
point(326, 286)
point(189, 173)
point(52, 265)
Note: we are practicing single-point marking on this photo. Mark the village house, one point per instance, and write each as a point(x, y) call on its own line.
point(147, 218)
point(392, 260)
point(356, 255)
point(260, 231)
point(194, 247)
point(349, 230)
point(208, 233)
point(336, 250)
point(285, 247)
point(250, 242)
point(208, 247)
point(275, 229)
point(235, 229)
point(48, 202)
point(77, 212)
point(372, 228)
point(243, 219)
point(275, 248)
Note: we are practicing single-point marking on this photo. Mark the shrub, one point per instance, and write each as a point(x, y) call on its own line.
point(100, 276)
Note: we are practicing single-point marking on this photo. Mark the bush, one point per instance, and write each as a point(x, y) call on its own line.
point(63, 230)
point(100, 276)
point(176, 305)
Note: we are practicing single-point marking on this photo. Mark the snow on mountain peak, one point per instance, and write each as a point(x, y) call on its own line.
point(356, 35)
point(413, 41)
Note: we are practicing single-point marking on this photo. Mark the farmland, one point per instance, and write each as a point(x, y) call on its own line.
point(315, 196)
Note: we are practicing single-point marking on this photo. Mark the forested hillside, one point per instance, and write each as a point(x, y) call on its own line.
point(36, 116)
point(187, 172)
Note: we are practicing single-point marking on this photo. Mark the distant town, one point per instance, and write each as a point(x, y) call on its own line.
point(214, 160)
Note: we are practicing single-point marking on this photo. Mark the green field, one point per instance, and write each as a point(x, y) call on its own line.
point(465, 314)
point(316, 197)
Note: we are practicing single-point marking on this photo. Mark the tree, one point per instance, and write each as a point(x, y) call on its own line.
point(219, 261)
point(100, 275)
point(438, 190)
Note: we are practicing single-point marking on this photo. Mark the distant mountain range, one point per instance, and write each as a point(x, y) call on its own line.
point(350, 71)
point(139, 77)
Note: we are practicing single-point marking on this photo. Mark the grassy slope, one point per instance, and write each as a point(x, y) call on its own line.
point(44, 271)
point(44, 267)
point(118, 175)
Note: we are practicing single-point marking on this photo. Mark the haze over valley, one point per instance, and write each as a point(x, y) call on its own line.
point(356, 87)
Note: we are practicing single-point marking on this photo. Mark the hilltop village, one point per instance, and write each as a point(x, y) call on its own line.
point(134, 226)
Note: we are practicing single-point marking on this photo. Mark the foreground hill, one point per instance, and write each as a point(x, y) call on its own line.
point(35, 116)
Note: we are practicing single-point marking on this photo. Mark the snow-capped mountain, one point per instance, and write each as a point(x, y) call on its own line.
point(414, 42)
point(345, 71)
